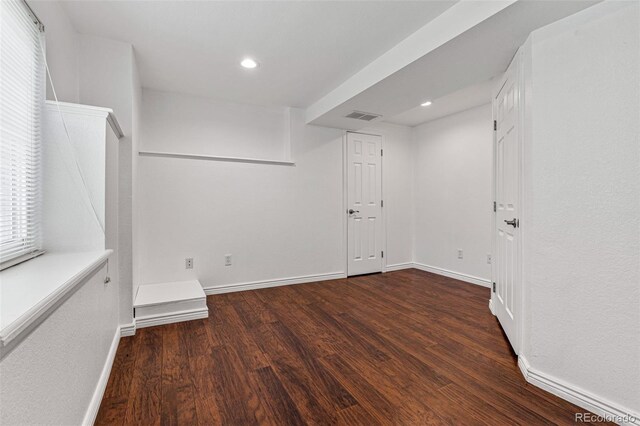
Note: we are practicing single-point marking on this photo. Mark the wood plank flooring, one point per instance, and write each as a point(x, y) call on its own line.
point(404, 348)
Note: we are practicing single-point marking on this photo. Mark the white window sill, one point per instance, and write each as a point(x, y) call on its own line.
point(31, 291)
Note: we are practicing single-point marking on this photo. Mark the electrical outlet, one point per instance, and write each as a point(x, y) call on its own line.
point(489, 259)
point(188, 263)
point(460, 254)
point(227, 260)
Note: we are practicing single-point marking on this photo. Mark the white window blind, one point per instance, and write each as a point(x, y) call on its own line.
point(22, 85)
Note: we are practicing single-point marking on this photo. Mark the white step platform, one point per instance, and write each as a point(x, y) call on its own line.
point(166, 303)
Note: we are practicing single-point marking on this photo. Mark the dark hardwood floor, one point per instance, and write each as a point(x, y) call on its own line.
point(406, 347)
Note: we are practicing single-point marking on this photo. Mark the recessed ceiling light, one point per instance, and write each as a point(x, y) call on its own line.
point(249, 63)
point(426, 103)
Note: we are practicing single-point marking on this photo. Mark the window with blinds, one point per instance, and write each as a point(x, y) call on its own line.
point(22, 85)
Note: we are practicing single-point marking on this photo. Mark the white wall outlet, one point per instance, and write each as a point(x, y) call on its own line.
point(489, 259)
point(188, 263)
point(227, 260)
point(460, 254)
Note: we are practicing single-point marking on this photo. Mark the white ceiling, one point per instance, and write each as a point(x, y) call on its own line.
point(472, 57)
point(305, 48)
point(460, 100)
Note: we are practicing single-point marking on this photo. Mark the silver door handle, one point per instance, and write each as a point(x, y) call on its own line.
point(513, 222)
point(352, 211)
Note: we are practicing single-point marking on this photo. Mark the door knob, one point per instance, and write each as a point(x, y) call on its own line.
point(352, 211)
point(513, 222)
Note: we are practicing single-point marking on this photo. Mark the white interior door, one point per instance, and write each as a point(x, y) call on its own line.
point(507, 196)
point(364, 192)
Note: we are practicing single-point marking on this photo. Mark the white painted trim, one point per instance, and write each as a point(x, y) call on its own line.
point(172, 317)
point(451, 274)
point(524, 367)
point(115, 126)
point(101, 386)
point(214, 158)
point(79, 109)
point(12, 334)
point(575, 395)
point(400, 266)
point(383, 212)
point(254, 285)
point(345, 218)
point(128, 329)
point(493, 312)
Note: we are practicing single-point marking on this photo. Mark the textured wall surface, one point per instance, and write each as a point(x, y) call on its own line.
point(50, 377)
point(453, 161)
point(582, 245)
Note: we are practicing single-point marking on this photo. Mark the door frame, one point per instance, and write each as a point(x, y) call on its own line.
point(519, 290)
point(345, 203)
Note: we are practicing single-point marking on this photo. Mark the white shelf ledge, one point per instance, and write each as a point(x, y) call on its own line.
point(214, 158)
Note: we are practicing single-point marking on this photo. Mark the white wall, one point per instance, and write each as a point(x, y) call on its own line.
point(453, 163)
point(397, 189)
point(108, 78)
point(51, 376)
point(189, 124)
point(277, 221)
point(582, 205)
point(61, 49)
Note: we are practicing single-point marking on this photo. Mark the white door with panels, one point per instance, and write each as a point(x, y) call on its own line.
point(364, 205)
point(506, 272)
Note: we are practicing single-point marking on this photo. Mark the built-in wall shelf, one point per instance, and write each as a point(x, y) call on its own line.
point(214, 158)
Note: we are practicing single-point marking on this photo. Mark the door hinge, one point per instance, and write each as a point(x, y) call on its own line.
point(494, 287)
point(381, 152)
point(495, 125)
point(381, 203)
point(382, 253)
point(494, 206)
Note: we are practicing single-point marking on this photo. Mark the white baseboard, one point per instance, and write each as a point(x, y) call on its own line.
point(451, 274)
point(101, 386)
point(399, 266)
point(128, 329)
point(577, 396)
point(170, 318)
point(254, 285)
point(493, 312)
